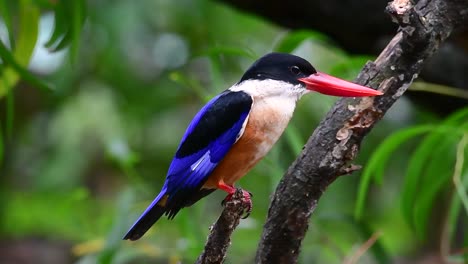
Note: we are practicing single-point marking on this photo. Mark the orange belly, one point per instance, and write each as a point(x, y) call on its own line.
point(263, 129)
point(239, 160)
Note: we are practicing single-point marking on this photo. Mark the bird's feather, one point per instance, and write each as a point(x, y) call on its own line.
point(207, 140)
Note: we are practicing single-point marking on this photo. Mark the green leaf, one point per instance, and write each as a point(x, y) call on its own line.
point(27, 33)
point(456, 200)
point(14, 71)
point(69, 20)
point(420, 159)
point(60, 27)
point(17, 61)
point(7, 8)
point(458, 171)
point(374, 170)
point(435, 176)
point(292, 40)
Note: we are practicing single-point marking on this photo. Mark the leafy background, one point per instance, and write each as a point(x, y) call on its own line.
point(95, 96)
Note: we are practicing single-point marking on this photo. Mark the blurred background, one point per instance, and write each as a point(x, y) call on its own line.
point(95, 96)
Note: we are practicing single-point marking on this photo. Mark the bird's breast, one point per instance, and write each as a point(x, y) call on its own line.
point(266, 122)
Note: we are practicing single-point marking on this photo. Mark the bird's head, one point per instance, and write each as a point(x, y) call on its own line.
point(298, 76)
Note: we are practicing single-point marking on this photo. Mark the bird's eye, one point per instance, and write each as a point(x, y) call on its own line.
point(295, 70)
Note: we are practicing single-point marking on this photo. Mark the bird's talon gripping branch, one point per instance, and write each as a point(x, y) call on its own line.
point(246, 200)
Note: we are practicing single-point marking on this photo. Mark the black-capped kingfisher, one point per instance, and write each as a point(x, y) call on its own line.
point(236, 129)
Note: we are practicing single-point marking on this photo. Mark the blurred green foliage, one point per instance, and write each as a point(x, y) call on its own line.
point(83, 155)
point(431, 167)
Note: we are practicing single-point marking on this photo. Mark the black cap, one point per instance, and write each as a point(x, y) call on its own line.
point(279, 66)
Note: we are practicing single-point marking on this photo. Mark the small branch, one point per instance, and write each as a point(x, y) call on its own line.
point(363, 248)
point(336, 141)
point(219, 238)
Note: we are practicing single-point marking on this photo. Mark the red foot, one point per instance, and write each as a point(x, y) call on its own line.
point(231, 190)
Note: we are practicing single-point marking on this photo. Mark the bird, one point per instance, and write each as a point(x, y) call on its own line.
point(235, 130)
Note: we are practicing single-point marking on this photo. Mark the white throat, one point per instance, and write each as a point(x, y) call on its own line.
point(270, 88)
point(272, 97)
point(272, 108)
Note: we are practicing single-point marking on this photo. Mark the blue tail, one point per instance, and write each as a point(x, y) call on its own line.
point(163, 204)
point(152, 214)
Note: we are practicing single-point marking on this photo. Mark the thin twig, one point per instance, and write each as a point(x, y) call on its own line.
point(439, 89)
point(363, 248)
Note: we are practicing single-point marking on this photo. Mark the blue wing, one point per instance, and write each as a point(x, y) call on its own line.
point(207, 140)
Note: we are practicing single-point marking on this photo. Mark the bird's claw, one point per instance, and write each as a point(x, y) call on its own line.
point(247, 203)
point(246, 199)
point(248, 209)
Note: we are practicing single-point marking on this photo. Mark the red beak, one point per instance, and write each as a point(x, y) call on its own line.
point(329, 85)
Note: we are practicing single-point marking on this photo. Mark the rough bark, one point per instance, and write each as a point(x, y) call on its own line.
point(219, 238)
point(336, 141)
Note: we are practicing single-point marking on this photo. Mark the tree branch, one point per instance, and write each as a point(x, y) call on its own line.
point(336, 141)
point(219, 238)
